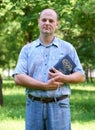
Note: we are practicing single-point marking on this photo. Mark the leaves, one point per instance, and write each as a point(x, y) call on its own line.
point(19, 25)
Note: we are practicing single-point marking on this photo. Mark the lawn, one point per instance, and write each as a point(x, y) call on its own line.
point(12, 114)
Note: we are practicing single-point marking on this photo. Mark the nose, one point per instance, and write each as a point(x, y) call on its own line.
point(47, 22)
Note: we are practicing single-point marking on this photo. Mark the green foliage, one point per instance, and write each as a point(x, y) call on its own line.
point(83, 19)
point(19, 19)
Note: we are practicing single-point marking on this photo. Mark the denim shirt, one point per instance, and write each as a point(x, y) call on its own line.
point(36, 59)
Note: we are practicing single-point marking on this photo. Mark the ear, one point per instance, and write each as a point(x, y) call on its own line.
point(38, 22)
point(57, 25)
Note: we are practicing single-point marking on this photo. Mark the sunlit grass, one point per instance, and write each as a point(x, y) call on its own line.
point(82, 102)
point(10, 124)
point(83, 126)
point(83, 106)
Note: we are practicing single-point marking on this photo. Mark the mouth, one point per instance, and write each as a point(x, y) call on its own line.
point(46, 28)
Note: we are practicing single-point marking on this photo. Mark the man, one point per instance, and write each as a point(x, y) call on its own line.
point(47, 106)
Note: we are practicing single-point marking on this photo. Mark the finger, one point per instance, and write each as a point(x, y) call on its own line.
point(56, 78)
point(55, 70)
point(60, 83)
point(51, 75)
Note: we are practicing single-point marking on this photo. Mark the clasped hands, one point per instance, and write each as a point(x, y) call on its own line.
point(55, 81)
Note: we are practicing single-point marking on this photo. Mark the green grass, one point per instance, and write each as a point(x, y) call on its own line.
point(12, 114)
point(83, 106)
point(82, 100)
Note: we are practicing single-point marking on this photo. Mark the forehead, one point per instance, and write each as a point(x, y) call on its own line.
point(48, 13)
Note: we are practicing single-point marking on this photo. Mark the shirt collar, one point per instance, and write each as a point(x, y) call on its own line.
point(54, 42)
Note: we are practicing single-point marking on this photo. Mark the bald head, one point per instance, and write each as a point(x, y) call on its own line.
point(49, 11)
point(48, 23)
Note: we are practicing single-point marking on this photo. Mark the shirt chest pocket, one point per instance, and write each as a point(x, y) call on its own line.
point(55, 58)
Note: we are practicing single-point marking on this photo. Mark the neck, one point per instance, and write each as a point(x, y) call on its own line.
point(46, 39)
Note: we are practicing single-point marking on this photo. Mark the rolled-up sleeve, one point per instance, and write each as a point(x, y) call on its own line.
point(21, 67)
point(78, 67)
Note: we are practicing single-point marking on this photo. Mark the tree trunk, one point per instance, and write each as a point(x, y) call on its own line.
point(91, 79)
point(1, 95)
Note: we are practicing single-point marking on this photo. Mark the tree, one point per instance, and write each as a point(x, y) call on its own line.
point(18, 26)
point(84, 18)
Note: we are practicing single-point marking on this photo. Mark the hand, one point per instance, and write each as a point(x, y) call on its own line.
point(53, 73)
point(52, 84)
point(75, 77)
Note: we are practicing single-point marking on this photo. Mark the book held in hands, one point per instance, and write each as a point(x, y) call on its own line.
point(65, 65)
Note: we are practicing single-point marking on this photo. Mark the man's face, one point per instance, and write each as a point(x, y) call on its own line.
point(48, 22)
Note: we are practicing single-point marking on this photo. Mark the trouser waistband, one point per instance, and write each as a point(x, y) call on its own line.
point(47, 100)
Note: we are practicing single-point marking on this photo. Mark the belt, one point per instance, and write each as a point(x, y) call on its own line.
point(47, 100)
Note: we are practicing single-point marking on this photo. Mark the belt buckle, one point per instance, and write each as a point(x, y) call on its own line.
point(41, 99)
point(45, 100)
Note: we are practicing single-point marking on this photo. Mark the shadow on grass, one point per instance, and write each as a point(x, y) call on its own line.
point(14, 107)
point(82, 105)
point(14, 101)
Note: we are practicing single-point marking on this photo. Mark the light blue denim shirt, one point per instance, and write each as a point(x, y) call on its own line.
point(36, 59)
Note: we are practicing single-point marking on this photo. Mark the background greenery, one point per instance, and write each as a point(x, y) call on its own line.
point(12, 114)
point(18, 26)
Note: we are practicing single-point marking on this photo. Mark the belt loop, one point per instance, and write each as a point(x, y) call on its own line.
point(32, 98)
point(55, 99)
point(41, 99)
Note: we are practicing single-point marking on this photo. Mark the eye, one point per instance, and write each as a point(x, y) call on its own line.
point(51, 21)
point(44, 20)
